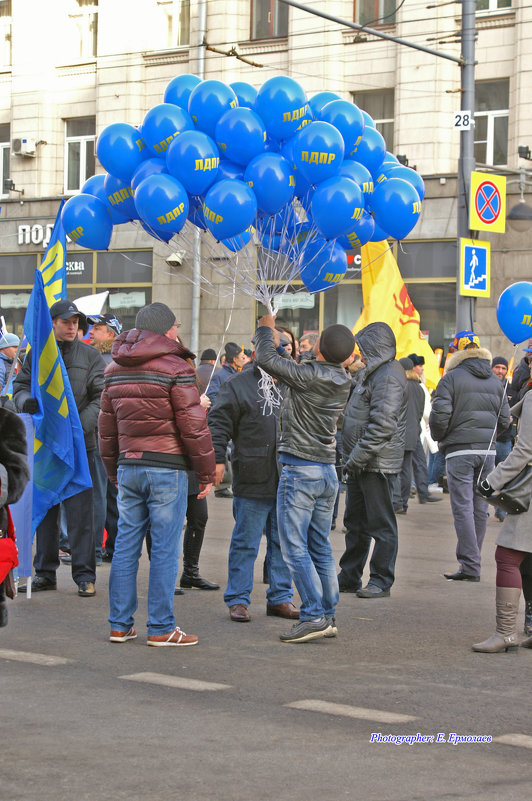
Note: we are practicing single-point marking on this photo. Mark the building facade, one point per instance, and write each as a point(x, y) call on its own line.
point(71, 67)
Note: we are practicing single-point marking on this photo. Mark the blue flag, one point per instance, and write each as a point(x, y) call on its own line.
point(53, 266)
point(60, 466)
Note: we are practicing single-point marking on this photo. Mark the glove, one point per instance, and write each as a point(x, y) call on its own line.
point(30, 406)
point(485, 488)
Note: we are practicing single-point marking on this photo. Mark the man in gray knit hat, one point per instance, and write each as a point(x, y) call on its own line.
point(152, 430)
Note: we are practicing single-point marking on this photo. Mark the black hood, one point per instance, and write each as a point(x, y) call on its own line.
point(377, 344)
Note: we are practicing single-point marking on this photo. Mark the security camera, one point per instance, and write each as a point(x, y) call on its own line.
point(176, 259)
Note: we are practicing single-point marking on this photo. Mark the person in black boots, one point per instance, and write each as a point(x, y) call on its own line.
point(14, 475)
point(197, 516)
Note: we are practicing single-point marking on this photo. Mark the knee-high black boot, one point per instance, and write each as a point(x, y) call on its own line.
point(527, 592)
point(3, 606)
point(190, 577)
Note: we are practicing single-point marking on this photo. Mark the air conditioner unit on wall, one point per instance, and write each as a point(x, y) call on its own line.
point(23, 147)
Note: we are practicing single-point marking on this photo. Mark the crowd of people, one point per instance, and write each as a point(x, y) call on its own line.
point(161, 432)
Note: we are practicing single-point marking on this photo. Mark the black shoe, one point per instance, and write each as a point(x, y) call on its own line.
point(307, 630)
point(107, 556)
point(86, 589)
point(179, 591)
point(460, 576)
point(225, 493)
point(373, 591)
point(40, 584)
point(191, 582)
point(430, 499)
point(401, 511)
point(343, 586)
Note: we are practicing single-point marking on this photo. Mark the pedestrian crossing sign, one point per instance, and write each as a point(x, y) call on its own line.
point(474, 268)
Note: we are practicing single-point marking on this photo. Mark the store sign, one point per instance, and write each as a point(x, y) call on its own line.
point(35, 234)
point(298, 300)
point(76, 267)
point(127, 300)
point(15, 300)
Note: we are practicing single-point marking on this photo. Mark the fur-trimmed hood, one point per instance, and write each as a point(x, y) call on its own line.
point(482, 365)
point(13, 453)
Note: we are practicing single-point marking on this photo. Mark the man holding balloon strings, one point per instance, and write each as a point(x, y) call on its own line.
point(317, 392)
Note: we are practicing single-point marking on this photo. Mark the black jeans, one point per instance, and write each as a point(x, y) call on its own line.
point(403, 484)
point(80, 524)
point(369, 515)
point(420, 470)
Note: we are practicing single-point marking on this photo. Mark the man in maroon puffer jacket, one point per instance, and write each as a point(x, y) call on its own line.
point(152, 429)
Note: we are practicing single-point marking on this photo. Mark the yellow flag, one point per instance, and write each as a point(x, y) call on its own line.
point(386, 300)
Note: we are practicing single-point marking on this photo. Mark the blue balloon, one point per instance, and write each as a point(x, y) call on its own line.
point(195, 212)
point(209, 101)
point(388, 164)
point(347, 118)
point(361, 232)
point(230, 208)
point(282, 104)
point(193, 159)
point(240, 135)
point(179, 89)
point(162, 202)
point(514, 311)
point(396, 206)
point(336, 204)
point(322, 264)
point(237, 242)
point(272, 181)
point(272, 145)
point(270, 241)
point(360, 175)
point(409, 175)
point(378, 235)
point(318, 151)
point(370, 150)
point(87, 222)
point(390, 160)
point(157, 233)
point(246, 94)
point(368, 120)
point(149, 167)
point(119, 195)
point(120, 149)
point(318, 101)
point(302, 185)
point(226, 169)
point(95, 186)
point(161, 125)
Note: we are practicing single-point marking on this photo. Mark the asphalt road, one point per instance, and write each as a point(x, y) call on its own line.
point(244, 717)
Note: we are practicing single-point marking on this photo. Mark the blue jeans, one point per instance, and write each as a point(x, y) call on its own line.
point(305, 501)
point(153, 497)
point(252, 517)
point(470, 511)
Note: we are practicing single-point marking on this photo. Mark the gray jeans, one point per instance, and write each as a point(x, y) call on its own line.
point(470, 512)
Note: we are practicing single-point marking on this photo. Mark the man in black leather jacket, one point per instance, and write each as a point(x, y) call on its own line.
point(85, 367)
point(373, 442)
point(317, 392)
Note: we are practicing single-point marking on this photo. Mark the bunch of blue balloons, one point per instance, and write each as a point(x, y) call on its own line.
point(311, 178)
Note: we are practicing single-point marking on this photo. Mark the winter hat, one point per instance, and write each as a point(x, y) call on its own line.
point(156, 317)
point(231, 350)
point(499, 360)
point(465, 339)
point(208, 355)
point(418, 361)
point(336, 343)
point(406, 363)
point(64, 309)
point(8, 340)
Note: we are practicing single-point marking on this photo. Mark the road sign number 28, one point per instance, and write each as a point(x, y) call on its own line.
point(463, 120)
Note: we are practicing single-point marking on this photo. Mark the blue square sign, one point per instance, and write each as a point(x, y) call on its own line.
point(474, 268)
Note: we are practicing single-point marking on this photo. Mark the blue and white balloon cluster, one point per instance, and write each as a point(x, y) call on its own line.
point(243, 163)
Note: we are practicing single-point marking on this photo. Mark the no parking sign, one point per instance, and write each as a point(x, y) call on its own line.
point(487, 204)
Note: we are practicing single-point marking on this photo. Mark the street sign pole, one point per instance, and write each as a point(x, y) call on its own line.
point(465, 306)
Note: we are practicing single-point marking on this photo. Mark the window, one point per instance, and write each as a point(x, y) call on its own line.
point(380, 107)
point(5, 152)
point(83, 28)
point(175, 23)
point(79, 152)
point(269, 19)
point(375, 12)
point(493, 5)
point(5, 33)
point(491, 122)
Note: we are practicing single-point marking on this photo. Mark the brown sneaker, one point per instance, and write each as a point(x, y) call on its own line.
point(122, 636)
point(175, 637)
